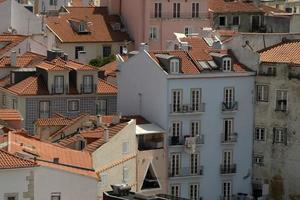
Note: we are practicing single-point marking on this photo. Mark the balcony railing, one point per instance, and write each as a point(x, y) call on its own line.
point(88, 89)
point(57, 89)
point(181, 15)
point(187, 171)
point(231, 138)
point(229, 106)
point(187, 108)
point(229, 197)
point(267, 73)
point(180, 140)
point(228, 169)
point(281, 106)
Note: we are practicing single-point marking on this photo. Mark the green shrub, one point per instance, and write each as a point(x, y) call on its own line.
point(99, 62)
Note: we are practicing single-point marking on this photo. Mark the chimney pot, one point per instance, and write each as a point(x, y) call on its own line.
point(99, 120)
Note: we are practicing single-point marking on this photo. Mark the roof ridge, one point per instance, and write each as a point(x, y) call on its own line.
point(108, 83)
point(32, 81)
point(287, 41)
point(18, 157)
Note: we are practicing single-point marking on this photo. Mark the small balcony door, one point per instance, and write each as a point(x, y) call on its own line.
point(196, 99)
point(228, 129)
point(194, 164)
point(227, 190)
point(229, 97)
point(176, 10)
point(195, 128)
point(44, 109)
point(157, 10)
point(227, 158)
point(101, 107)
point(195, 10)
point(175, 164)
point(176, 100)
point(87, 84)
point(58, 84)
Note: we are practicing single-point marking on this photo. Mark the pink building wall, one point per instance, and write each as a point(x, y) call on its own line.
point(138, 18)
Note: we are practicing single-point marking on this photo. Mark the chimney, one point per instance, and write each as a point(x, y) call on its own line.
point(106, 134)
point(143, 47)
point(66, 57)
point(99, 120)
point(82, 57)
point(116, 119)
point(13, 59)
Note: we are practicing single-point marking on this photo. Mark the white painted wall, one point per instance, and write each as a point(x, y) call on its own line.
point(140, 75)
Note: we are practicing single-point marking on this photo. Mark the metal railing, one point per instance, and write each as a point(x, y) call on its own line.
point(230, 106)
point(180, 140)
point(229, 138)
point(88, 89)
point(57, 89)
point(187, 108)
point(228, 169)
point(180, 15)
point(187, 171)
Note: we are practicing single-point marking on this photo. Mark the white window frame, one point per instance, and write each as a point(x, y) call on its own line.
point(176, 100)
point(229, 96)
point(260, 134)
point(196, 96)
point(71, 101)
point(227, 64)
point(87, 83)
point(153, 33)
point(59, 84)
point(228, 128)
point(194, 191)
point(174, 66)
point(227, 157)
point(258, 159)
point(283, 96)
point(188, 30)
point(43, 111)
point(101, 107)
point(176, 128)
point(194, 163)
point(175, 190)
point(262, 93)
point(227, 190)
point(195, 128)
point(175, 164)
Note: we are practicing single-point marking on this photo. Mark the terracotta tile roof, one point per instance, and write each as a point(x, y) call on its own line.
point(80, 67)
point(10, 115)
point(104, 87)
point(99, 25)
point(111, 68)
point(79, 162)
point(270, 10)
point(220, 6)
point(189, 65)
point(24, 60)
point(200, 49)
point(5, 81)
point(10, 161)
point(9, 41)
point(33, 85)
point(285, 52)
point(57, 64)
point(113, 130)
point(53, 121)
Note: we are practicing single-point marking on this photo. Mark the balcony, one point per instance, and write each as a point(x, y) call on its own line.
point(229, 106)
point(229, 138)
point(230, 197)
point(187, 108)
point(228, 169)
point(187, 171)
point(58, 89)
point(88, 89)
point(182, 15)
point(180, 140)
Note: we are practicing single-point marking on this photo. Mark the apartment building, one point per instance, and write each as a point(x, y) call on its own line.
point(276, 122)
point(89, 30)
point(57, 85)
point(154, 22)
point(206, 105)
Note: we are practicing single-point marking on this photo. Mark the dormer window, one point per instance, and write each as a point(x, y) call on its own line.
point(81, 27)
point(226, 64)
point(174, 66)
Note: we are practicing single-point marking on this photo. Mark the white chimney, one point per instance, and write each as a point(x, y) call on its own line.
point(116, 119)
point(82, 57)
point(106, 134)
point(143, 47)
point(99, 120)
point(13, 59)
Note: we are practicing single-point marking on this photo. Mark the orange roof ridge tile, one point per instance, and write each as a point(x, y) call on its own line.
point(10, 161)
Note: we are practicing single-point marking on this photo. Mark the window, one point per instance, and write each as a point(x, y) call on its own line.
point(73, 105)
point(175, 190)
point(87, 84)
point(258, 160)
point(176, 129)
point(196, 99)
point(227, 157)
point(188, 30)
point(271, 71)
point(10, 196)
point(81, 26)
point(176, 10)
point(53, 2)
point(194, 191)
point(125, 174)
point(228, 130)
point(77, 49)
point(101, 107)
point(174, 66)
point(58, 85)
point(281, 100)
point(195, 128)
point(175, 164)
point(226, 64)
point(55, 196)
point(157, 10)
point(280, 135)
point(229, 97)
point(260, 134)
point(153, 33)
point(194, 167)
point(44, 109)
point(262, 93)
point(106, 51)
point(4, 100)
point(195, 10)
point(236, 20)
point(176, 100)
point(14, 104)
point(222, 21)
point(226, 190)
point(125, 147)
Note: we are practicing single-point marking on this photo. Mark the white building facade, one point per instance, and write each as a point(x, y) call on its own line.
point(209, 118)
